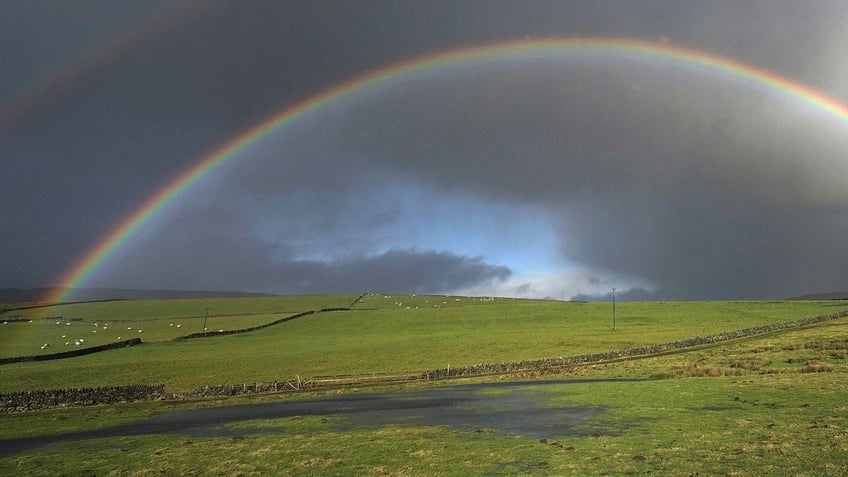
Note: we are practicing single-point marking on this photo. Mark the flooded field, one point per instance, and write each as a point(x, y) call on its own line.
point(509, 408)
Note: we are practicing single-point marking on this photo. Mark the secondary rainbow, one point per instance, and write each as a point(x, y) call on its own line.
point(40, 89)
point(85, 267)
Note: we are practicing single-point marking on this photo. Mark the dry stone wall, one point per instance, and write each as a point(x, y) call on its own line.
point(647, 350)
point(72, 353)
point(35, 400)
point(38, 400)
point(206, 334)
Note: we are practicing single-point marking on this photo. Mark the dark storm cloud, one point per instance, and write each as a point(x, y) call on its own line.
point(211, 251)
point(694, 184)
point(697, 187)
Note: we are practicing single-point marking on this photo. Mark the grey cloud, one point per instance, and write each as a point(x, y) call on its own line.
point(211, 251)
point(632, 294)
point(699, 185)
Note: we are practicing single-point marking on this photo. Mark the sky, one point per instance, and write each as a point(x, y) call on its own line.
point(548, 173)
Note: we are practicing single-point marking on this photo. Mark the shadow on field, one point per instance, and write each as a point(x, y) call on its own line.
point(510, 408)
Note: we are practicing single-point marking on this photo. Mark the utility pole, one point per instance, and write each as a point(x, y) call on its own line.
point(205, 319)
point(613, 308)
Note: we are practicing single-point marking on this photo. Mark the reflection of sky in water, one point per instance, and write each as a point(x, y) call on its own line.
point(522, 412)
point(514, 409)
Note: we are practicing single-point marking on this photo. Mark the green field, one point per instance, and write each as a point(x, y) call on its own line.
point(151, 320)
point(764, 405)
point(382, 334)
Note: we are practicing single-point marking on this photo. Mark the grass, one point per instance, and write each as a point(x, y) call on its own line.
point(766, 405)
point(379, 336)
point(183, 308)
point(758, 423)
point(151, 320)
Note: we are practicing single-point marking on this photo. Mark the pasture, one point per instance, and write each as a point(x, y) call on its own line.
point(770, 404)
point(381, 334)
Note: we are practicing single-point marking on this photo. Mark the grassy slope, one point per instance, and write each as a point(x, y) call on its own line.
point(158, 320)
point(384, 336)
point(771, 416)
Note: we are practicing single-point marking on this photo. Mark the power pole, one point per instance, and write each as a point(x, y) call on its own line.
point(613, 308)
point(205, 319)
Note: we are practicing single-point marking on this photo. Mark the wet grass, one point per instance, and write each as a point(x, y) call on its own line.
point(756, 425)
point(768, 405)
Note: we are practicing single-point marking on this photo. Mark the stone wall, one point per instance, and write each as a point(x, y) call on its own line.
point(38, 400)
point(647, 350)
point(206, 334)
point(72, 353)
point(34, 400)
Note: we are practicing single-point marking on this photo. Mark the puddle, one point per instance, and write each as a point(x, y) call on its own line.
point(517, 408)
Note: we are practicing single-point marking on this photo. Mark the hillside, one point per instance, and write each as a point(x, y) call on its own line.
point(92, 294)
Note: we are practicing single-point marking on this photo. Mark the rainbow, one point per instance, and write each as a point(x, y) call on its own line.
point(85, 267)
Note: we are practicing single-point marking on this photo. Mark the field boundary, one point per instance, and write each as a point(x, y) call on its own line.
point(638, 352)
point(137, 341)
point(46, 305)
point(38, 400)
point(542, 366)
point(208, 334)
point(72, 353)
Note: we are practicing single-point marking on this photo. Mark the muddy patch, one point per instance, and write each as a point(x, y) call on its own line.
point(510, 408)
